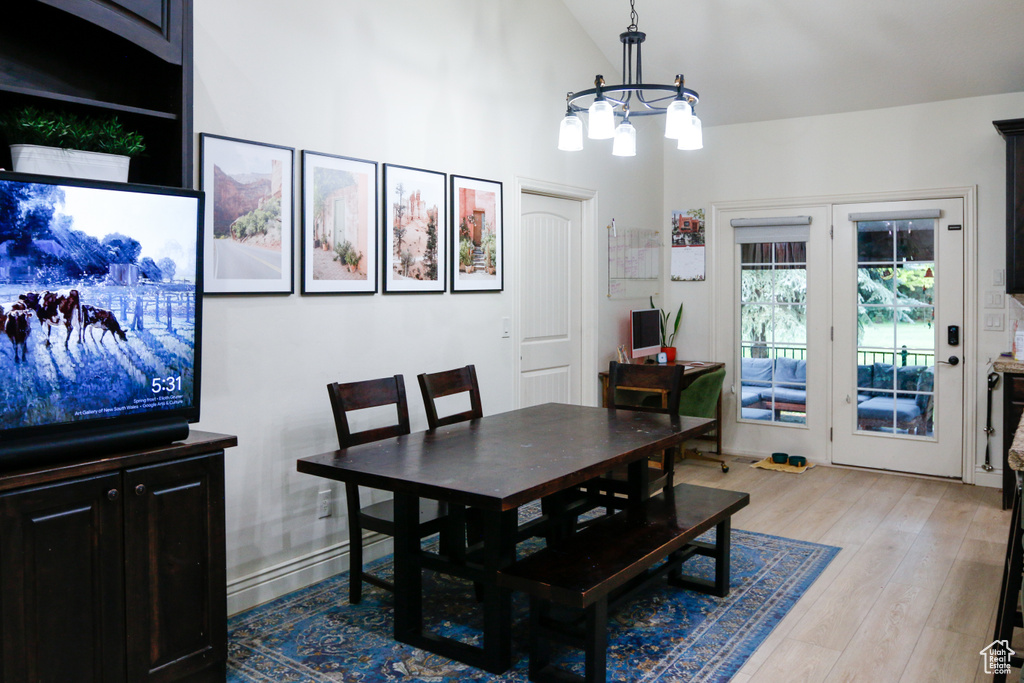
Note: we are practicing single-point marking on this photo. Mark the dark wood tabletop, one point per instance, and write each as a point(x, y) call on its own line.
point(506, 460)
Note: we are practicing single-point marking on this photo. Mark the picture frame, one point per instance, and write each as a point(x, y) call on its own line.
point(476, 235)
point(339, 224)
point(415, 249)
point(249, 227)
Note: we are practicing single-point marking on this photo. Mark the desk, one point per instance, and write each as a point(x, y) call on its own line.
point(494, 464)
point(694, 369)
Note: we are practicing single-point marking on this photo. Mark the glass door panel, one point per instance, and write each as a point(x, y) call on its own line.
point(895, 321)
point(773, 332)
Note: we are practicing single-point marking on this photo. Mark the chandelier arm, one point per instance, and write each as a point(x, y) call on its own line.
point(575, 101)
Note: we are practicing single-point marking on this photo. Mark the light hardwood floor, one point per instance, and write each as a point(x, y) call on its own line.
point(912, 595)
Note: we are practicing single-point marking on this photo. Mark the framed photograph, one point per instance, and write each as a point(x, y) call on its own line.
point(249, 218)
point(414, 236)
point(339, 225)
point(476, 235)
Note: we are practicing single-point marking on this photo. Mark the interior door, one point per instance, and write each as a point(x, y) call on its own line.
point(898, 307)
point(550, 300)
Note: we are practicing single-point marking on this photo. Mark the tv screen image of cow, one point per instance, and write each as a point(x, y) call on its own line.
point(99, 303)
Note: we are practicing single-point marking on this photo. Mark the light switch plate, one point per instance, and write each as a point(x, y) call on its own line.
point(993, 322)
point(994, 299)
point(998, 277)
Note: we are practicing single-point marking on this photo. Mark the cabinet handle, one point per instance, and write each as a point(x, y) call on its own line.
point(112, 494)
point(140, 489)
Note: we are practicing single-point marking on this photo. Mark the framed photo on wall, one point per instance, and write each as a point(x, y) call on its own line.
point(476, 235)
point(339, 224)
point(249, 228)
point(414, 235)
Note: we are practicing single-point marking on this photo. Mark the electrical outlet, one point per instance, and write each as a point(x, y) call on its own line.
point(323, 504)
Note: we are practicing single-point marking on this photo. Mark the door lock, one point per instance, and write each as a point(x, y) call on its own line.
point(953, 360)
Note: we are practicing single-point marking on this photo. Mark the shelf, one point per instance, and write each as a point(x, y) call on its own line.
point(89, 102)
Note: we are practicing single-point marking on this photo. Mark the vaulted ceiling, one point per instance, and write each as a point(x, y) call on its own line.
point(757, 60)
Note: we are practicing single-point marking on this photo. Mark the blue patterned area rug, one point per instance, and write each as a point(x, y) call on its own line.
point(663, 634)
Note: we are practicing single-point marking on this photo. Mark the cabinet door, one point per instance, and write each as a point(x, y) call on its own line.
point(61, 582)
point(176, 604)
point(154, 25)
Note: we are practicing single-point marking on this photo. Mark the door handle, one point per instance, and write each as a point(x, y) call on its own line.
point(953, 360)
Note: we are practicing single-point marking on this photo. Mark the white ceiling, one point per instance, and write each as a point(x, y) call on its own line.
point(758, 60)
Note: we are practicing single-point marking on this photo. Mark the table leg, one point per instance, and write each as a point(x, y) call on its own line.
point(639, 481)
point(499, 552)
point(408, 574)
point(723, 550)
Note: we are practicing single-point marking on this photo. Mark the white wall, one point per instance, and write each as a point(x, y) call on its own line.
point(473, 88)
point(938, 145)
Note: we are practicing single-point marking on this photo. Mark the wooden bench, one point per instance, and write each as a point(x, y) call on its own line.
point(599, 567)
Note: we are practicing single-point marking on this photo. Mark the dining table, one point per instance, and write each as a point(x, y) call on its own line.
point(494, 465)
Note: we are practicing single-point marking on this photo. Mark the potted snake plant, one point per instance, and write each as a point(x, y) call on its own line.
point(668, 339)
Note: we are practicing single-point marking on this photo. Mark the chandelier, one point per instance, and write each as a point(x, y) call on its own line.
point(606, 103)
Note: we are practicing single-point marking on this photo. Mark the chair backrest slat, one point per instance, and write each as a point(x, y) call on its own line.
point(372, 393)
point(659, 378)
point(447, 383)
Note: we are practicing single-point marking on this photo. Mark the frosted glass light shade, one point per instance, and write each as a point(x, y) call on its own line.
point(692, 136)
point(624, 144)
point(601, 118)
point(677, 115)
point(570, 134)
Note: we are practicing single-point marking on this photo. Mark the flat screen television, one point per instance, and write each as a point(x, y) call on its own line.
point(101, 310)
point(644, 332)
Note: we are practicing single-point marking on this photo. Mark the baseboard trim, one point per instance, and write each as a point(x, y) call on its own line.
point(272, 582)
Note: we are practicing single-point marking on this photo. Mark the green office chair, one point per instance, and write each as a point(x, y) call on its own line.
point(700, 399)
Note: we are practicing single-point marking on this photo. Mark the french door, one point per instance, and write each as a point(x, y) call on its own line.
point(897, 321)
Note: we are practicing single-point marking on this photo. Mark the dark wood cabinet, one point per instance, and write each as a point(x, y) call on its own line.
point(1013, 408)
point(129, 58)
point(1012, 131)
point(114, 569)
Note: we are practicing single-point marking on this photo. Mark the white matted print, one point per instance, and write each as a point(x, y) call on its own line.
point(477, 235)
point(414, 237)
point(249, 232)
point(339, 224)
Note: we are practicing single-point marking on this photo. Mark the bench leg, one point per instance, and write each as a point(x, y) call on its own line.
point(539, 646)
point(719, 551)
point(723, 546)
point(596, 634)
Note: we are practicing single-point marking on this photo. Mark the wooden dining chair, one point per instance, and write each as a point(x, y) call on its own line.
point(645, 388)
point(378, 517)
point(463, 381)
point(449, 383)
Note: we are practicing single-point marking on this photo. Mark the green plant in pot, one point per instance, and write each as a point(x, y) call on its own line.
point(60, 143)
point(668, 339)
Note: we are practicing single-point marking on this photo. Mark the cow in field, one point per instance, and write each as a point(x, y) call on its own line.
point(17, 328)
point(93, 317)
point(57, 309)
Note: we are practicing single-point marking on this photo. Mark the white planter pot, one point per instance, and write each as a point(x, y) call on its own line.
point(70, 163)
